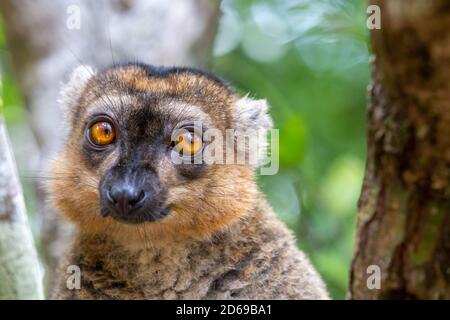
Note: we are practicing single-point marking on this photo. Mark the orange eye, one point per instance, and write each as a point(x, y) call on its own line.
point(188, 143)
point(102, 133)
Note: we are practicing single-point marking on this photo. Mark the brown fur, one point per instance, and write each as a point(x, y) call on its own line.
point(220, 240)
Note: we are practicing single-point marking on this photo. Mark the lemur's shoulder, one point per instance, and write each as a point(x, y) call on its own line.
point(270, 265)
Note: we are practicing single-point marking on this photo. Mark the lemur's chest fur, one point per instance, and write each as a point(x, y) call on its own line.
point(256, 258)
point(180, 271)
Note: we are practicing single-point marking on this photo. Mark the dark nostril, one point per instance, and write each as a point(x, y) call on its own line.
point(137, 199)
point(110, 198)
point(125, 199)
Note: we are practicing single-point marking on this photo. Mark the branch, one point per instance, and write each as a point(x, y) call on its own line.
point(19, 264)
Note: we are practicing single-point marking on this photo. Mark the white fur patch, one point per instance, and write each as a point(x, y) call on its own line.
point(252, 116)
point(70, 92)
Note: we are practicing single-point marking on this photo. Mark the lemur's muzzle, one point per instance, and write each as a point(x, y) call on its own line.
point(132, 194)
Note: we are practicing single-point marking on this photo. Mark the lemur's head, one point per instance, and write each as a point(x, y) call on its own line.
point(132, 141)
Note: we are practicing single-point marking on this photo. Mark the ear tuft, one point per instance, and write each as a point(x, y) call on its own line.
point(252, 114)
point(251, 117)
point(70, 92)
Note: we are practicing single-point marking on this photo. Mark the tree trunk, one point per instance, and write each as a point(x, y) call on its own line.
point(48, 38)
point(19, 264)
point(404, 209)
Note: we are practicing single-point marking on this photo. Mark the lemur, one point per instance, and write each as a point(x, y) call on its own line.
point(150, 228)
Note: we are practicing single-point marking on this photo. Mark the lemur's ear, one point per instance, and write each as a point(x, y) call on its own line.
point(252, 114)
point(251, 119)
point(70, 92)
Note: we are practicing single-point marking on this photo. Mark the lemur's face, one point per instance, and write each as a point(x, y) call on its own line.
point(134, 134)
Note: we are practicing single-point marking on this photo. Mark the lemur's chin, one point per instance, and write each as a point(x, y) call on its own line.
point(142, 216)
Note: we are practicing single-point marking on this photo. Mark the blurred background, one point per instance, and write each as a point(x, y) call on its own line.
point(310, 60)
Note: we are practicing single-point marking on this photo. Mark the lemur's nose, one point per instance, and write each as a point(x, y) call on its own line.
point(126, 199)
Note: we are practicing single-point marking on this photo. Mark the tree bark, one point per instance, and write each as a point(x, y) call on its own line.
point(19, 265)
point(404, 210)
point(45, 45)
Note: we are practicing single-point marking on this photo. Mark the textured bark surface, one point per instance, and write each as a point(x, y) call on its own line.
point(19, 265)
point(404, 210)
point(45, 47)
